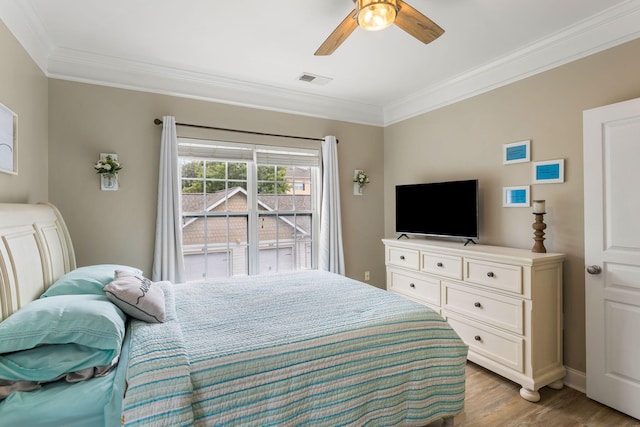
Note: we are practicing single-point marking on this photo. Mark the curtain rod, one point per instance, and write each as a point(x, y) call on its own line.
point(159, 122)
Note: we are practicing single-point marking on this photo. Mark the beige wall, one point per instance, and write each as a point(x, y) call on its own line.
point(23, 89)
point(86, 120)
point(465, 141)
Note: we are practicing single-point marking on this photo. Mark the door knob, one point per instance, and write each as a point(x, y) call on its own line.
point(594, 269)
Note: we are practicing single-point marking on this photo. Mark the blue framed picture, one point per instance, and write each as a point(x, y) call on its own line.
point(515, 197)
point(548, 172)
point(516, 152)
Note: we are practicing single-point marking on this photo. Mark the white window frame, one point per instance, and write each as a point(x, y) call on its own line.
point(256, 155)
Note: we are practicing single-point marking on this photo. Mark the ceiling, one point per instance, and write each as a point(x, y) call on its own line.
point(252, 52)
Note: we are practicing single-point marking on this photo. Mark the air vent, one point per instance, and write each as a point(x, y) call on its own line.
point(314, 79)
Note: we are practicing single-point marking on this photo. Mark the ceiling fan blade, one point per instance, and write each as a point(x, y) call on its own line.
point(339, 35)
point(416, 24)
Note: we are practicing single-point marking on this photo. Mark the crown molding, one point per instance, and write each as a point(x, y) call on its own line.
point(602, 31)
point(23, 23)
point(67, 64)
point(86, 67)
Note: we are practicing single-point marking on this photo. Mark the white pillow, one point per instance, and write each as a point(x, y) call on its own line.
point(137, 296)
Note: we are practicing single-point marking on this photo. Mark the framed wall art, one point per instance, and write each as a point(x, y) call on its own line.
point(8, 141)
point(548, 172)
point(516, 152)
point(515, 197)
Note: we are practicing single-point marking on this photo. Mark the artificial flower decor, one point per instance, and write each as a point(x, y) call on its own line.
point(108, 165)
point(361, 178)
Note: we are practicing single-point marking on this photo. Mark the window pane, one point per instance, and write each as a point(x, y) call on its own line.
point(216, 170)
point(266, 173)
point(303, 226)
point(237, 171)
point(270, 259)
point(215, 195)
point(193, 198)
point(191, 168)
point(272, 180)
point(285, 242)
point(267, 251)
point(192, 185)
point(215, 246)
point(237, 197)
point(300, 240)
point(195, 266)
point(300, 178)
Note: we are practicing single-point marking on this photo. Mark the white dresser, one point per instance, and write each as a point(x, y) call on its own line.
point(505, 303)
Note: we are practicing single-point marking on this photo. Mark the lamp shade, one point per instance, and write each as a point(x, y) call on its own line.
point(374, 15)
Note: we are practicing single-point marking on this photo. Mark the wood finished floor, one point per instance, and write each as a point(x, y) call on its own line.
point(494, 401)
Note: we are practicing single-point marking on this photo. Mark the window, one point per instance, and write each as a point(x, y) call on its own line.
point(247, 209)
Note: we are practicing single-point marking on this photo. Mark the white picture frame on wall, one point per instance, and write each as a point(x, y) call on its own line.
point(8, 141)
point(516, 196)
point(516, 152)
point(548, 172)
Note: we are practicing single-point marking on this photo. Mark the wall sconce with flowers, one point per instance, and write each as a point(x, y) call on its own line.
point(108, 167)
point(360, 178)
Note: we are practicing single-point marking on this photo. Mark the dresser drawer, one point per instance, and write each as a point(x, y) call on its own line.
point(403, 257)
point(499, 276)
point(501, 347)
point(442, 265)
point(417, 287)
point(502, 311)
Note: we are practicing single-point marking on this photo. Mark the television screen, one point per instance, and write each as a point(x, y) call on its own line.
point(445, 209)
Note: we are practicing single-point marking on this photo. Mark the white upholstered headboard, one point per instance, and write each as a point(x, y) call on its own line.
point(35, 250)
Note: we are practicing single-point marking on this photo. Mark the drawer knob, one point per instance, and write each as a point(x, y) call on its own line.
point(402, 257)
point(412, 285)
point(477, 304)
point(477, 338)
point(440, 264)
point(490, 274)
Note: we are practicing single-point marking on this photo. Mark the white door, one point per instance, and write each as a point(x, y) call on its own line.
point(612, 254)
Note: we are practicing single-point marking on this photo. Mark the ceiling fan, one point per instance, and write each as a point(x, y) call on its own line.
point(375, 15)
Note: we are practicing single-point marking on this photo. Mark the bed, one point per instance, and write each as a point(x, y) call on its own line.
point(302, 348)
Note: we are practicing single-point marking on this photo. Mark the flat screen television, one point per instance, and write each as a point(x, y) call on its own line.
point(438, 209)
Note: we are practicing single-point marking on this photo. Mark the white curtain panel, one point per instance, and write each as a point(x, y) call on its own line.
point(331, 251)
point(168, 263)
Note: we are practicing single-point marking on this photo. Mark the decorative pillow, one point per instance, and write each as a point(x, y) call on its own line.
point(86, 280)
point(137, 296)
point(87, 320)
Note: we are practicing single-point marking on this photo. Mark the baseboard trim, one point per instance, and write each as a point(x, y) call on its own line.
point(575, 379)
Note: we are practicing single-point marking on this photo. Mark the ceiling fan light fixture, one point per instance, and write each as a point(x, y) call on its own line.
point(374, 15)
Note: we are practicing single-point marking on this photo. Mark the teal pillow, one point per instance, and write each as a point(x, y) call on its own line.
point(49, 362)
point(86, 280)
point(87, 320)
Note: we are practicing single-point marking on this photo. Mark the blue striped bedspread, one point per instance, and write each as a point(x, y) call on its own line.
point(296, 349)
